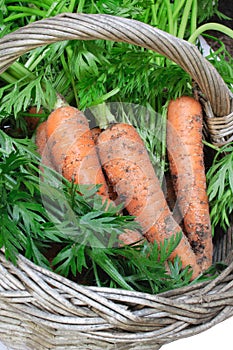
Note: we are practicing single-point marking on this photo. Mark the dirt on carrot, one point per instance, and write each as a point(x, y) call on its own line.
point(72, 148)
point(185, 154)
point(128, 167)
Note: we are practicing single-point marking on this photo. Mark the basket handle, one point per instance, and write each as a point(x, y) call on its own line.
point(71, 26)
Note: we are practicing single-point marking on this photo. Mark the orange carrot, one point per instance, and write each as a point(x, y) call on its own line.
point(41, 144)
point(57, 127)
point(60, 116)
point(41, 137)
point(73, 149)
point(128, 167)
point(112, 194)
point(185, 153)
point(32, 121)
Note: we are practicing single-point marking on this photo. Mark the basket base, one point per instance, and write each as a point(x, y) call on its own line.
point(79, 346)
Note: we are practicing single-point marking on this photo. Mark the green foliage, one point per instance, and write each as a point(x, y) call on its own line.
point(220, 187)
point(20, 95)
point(222, 60)
point(206, 10)
point(84, 72)
point(141, 268)
point(19, 210)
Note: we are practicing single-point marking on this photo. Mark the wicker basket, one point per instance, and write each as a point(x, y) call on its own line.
point(41, 310)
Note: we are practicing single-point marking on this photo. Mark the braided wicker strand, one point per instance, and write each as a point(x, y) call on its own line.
point(50, 312)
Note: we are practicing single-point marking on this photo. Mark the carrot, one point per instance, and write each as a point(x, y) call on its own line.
point(60, 116)
point(76, 154)
point(185, 154)
point(130, 237)
point(112, 194)
point(41, 137)
point(128, 167)
point(41, 144)
point(33, 120)
point(73, 150)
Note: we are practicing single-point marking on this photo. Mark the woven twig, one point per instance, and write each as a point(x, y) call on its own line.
point(41, 310)
point(51, 312)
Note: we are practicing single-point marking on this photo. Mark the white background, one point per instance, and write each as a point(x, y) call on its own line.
point(215, 338)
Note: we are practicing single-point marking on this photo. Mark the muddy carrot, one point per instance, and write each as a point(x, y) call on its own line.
point(185, 154)
point(71, 145)
point(128, 167)
point(112, 194)
point(73, 149)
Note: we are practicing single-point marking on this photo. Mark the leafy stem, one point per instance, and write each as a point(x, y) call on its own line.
point(23, 12)
point(185, 18)
point(210, 26)
point(170, 17)
point(193, 21)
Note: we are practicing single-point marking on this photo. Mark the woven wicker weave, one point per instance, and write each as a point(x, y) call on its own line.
point(40, 310)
